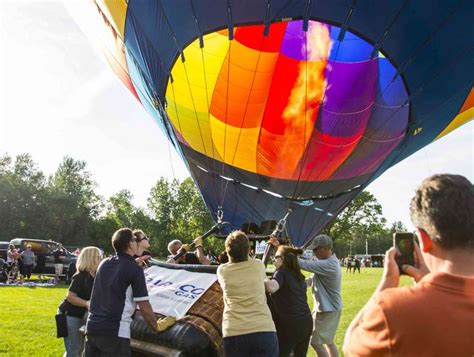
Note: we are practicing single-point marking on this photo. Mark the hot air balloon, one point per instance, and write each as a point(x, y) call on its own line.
point(277, 104)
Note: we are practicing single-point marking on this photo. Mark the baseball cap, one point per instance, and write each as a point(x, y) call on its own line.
point(320, 241)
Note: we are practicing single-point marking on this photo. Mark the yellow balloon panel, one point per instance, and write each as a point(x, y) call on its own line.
point(115, 11)
point(238, 146)
point(192, 77)
point(194, 127)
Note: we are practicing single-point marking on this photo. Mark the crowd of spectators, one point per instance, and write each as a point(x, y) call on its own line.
point(271, 317)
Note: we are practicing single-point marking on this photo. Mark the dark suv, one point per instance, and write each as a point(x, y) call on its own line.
point(43, 250)
point(3, 250)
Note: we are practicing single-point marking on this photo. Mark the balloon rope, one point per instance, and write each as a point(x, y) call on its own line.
point(208, 105)
point(221, 202)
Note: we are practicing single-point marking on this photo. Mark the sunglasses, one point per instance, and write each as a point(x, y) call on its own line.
point(144, 238)
point(278, 256)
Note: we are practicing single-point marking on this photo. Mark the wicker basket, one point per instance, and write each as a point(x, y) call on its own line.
point(198, 333)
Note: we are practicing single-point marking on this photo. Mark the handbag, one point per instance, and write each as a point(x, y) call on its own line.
point(61, 325)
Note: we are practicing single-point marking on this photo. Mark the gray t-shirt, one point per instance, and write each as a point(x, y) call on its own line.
point(28, 257)
point(326, 282)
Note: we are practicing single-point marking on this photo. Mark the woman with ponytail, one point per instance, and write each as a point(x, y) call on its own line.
point(294, 323)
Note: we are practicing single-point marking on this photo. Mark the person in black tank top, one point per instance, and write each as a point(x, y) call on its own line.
point(294, 323)
point(76, 303)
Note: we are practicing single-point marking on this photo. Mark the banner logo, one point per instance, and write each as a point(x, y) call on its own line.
point(173, 291)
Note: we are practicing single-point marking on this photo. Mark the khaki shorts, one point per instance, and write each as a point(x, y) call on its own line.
point(325, 326)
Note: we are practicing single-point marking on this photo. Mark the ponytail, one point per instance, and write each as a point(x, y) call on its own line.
point(290, 260)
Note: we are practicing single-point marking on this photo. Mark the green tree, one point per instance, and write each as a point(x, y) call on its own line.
point(179, 211)
point(361, 220)
point(23, 198)
point(161, 205)
point(121, 212)
point(191, 216)
point(121, 209)
point(73, 203)
point(398, 226)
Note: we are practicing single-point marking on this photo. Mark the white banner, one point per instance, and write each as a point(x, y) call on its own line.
point(173, 291)
point(260, 247)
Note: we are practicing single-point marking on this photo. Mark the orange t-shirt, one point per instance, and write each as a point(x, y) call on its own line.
point(433, 318)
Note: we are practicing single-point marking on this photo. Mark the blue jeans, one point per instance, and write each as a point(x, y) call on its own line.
point(262, 344)
point(74, 342)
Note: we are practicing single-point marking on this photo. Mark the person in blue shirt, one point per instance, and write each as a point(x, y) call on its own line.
point(326, 288)
point(118, 287)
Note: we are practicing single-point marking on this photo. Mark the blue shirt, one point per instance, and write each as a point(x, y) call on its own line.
point(118, 285)
point(28, 257)
point(326, 282)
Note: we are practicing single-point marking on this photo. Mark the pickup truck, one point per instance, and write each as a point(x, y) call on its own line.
point(43, 250)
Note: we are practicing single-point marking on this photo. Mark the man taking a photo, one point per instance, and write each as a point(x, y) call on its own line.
point(436, 316)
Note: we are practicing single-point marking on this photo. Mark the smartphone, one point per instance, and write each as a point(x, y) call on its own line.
point(405, 244)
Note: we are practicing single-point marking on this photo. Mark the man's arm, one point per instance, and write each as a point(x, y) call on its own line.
point(321, 267)
point(364, 330)
point(202, 257)
point(140, 296)
point(200, 252)
point(147, 313)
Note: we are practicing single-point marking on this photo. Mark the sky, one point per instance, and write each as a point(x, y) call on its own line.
point(59, 98)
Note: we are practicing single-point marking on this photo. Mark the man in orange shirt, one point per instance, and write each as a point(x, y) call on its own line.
point(436, 316)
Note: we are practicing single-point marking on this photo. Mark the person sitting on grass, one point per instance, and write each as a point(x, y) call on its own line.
point(293, 320)
point(436, 316)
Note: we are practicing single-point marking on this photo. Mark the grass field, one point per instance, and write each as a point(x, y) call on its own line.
point(27, 325)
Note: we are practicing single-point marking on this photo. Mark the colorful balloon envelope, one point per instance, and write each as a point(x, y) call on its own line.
point(291, 104)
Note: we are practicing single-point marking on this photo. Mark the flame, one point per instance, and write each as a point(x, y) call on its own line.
point(310, 84)
point(306, 96)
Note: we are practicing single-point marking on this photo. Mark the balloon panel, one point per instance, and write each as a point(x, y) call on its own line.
point(292, 105)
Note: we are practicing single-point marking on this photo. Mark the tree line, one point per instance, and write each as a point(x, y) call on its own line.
point(65, 207)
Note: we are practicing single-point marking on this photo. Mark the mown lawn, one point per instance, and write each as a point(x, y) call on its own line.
point(27, 325)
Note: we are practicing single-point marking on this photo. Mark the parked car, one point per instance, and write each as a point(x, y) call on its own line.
point(43, 250)
point(3, 250)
